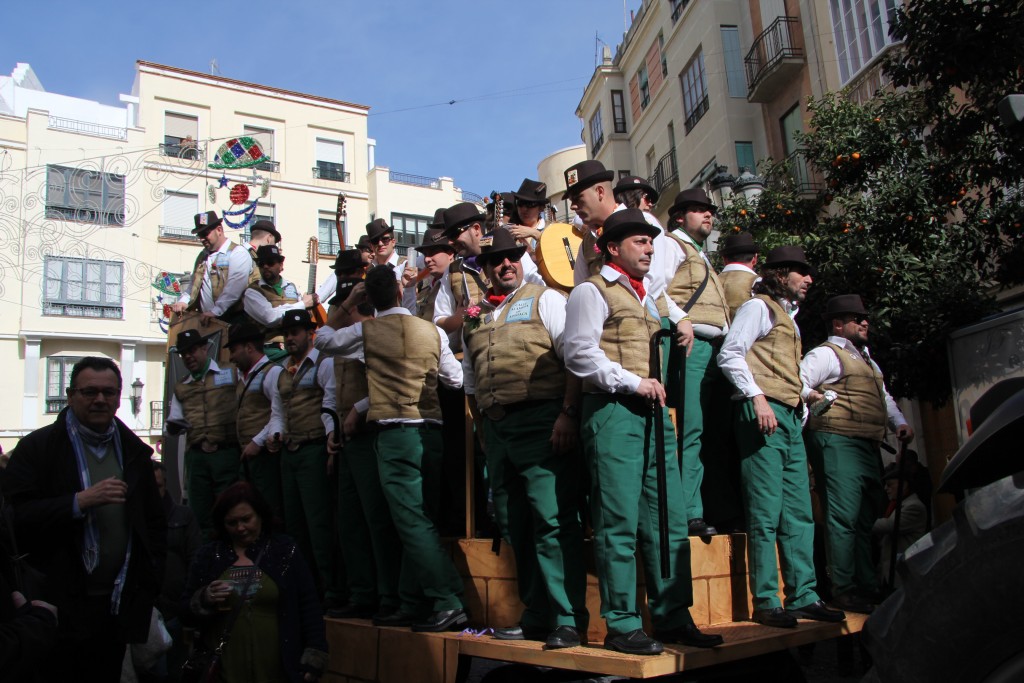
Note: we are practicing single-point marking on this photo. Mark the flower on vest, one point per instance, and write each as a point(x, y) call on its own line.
point(471, 317)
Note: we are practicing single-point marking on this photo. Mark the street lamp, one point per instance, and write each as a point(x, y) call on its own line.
point(748, 184)
point(721, 185)
point(137, 396)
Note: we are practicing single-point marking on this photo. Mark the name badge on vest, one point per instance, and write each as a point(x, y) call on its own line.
point(257, 382)
point(223, 378)
point(222, 260)
point(652, 308)
point(519, 310)
point(308, 378)
point(290, 291)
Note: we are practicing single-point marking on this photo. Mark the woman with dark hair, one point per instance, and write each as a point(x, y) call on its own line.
point(279, 632)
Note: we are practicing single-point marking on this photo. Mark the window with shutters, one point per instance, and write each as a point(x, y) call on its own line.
point(618, 111)
point(181, 135)
point(180, 209)
point(83, 288)
point(596, 132)
point(328, 235)
point(265, 137)
point(58, 379)
point(84, 195)
point(745, 156)
point(644, 85)
point(330, 160)
point(695, 91)
point(734, 76)
point(661, 53)
point(861, 31)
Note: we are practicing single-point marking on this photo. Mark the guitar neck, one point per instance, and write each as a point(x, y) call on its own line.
point(312, 278)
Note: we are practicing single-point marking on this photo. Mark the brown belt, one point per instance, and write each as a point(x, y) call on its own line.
point(292, 446)
point(207, 446)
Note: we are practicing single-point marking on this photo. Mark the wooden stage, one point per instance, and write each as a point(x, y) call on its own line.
point(363, 653)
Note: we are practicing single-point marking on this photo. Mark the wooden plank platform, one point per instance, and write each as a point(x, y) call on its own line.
point(361, 652)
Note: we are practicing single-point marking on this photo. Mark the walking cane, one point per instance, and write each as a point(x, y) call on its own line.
point(900, 474)
point(339, 438)
point(659, 448)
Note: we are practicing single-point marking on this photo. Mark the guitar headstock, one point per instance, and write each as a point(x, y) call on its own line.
point(313, 250)
point(341, 205)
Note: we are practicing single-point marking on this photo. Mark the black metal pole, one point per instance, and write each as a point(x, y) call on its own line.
point(659, 448)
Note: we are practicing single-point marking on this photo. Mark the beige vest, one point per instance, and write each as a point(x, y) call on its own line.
point(209, 407)
point(774, 359)
point(859, 409)
point(350, 384)
point(513, 358)
point(710, 307)
point(254, 273)
point(302, 400)
point(425, 298)
point(628, 329)
point(253, 406)
point(218, 278)
point(736, 285)
point(468, 286)
point(289, 296)
point(402, 357)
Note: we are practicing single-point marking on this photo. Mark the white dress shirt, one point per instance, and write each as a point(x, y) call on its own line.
point(444, 304)
point(177, 412)
point(670, 255)
point(269, 386)
point(585, 315)
point(259, 308)
point(551, 309)
point(822, 366)
point(752, 322)
point(239, 266)
point(348, 343)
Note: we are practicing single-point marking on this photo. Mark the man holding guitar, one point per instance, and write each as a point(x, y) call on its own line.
point(271, 296)
point(221, 278)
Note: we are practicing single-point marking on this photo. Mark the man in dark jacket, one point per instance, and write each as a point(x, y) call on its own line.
point(88, 515)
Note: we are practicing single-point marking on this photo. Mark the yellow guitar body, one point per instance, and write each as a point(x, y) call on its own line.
point(557, 248)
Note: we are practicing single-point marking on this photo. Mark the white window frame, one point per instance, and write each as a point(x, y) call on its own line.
point(94, 299)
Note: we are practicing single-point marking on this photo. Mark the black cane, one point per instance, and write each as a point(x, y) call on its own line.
point(659, 448)
point(339, 438)
point(900, 474)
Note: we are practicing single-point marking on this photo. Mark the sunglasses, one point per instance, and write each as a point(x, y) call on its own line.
point(385, 240)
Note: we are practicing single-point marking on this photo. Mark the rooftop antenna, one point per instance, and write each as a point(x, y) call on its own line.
point(214, 68)
point(598, 43)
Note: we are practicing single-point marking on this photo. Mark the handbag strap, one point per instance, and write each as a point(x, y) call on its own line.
point(700, 290)
point(233, 617)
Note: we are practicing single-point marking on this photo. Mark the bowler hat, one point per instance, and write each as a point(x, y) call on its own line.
point(363, 243)
point(345, 285)
point(266, 226)
point(622, 224)
point(240, 333)
point(189, 339)
point(503, 245)
point(438, 221)
point(579, 177)
point(787, 255)
point(840, 305)
point(635, 182)
point(376, 228)
point(459, 216)
point(531, 192)
point(267, 254)
point(694, 196)
point(208, 220)
point(738, 243)
point(347, 260)
point(297, 318)
point(433, 238)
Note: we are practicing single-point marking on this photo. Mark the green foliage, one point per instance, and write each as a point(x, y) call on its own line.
point(918, 210)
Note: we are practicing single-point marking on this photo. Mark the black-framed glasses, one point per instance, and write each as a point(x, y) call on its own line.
point(852, 318)
point(93, 392)
point(384, 239)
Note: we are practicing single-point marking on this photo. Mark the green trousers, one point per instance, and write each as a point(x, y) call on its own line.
point(264, 472)
point(535, 503)
point(777, 499)
point(847, 475)
point(619, 446)
point(306, 495)
point(409, 460)
point(208, 475)
point(696, 387)
point(369, 543)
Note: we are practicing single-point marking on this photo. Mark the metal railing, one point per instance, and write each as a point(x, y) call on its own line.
point(597, 144)
point(72, 310)
point(87, 127)
point(84, 214)
point(55, 405)
point(468, 196)
point(156, 414)
point(773, 45)
point(665, 172)
point(271, 166)
point(417, 180)
point(804, 178)
point(327, 170)
point(174, 232)
point(697, 113)
point(677, 9)
point(181, 151)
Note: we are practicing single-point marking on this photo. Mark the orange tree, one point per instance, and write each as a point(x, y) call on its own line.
point(920, 205)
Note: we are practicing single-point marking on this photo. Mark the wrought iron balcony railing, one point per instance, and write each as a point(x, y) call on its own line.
point(327, 170)
point(774, 45)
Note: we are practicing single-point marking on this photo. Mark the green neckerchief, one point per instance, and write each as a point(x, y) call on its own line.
point(198, 375)
point(279, 286)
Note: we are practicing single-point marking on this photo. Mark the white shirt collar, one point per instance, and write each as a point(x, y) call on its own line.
point(733, 267)
point(394, 310)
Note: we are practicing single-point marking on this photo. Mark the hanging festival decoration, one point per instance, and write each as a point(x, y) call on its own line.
point(236, 154)
point(169, 289)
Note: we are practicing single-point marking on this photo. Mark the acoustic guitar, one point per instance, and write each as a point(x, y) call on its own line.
point(318, 313)
point(557, 249)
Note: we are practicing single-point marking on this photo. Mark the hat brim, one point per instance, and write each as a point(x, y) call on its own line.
point(602, 177)
point(529, 199)
point(309, 326)
point(829, 315)
point(265, 262)
point(275, 233)
point(620, 232)
point(184, 348)
point(676, 208)
point(651, 193)
point(778, 264)
point(499, 255)
point(206, 228)
point(457, 229)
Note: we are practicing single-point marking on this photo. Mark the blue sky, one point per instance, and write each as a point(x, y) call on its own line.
point(516, 69)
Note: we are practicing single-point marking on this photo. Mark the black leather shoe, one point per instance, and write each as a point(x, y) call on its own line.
point(563, 636)
point(352, 611)
point(633, 643)
point(776, 616)
point(510, 633)
point(448, 620)
point(851, 602)
point(396, 618)
point(818, 611)
point(690, 635)
point(698, 527)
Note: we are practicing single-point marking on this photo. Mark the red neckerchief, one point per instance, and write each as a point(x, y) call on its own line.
point(637, 285)
point(495, 299)
point(891, 508)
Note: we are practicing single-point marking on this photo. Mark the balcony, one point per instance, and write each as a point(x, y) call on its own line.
point(156, 414)
point(773, 61)
point(87, 128)
point(677, 9)
point(327, 170)
point(665, 173)
point(468, 196)
point(182, 150)
point(177, 233)
point(417, 180)
point(270, 166)
point(806, 181)
point(697, 114)
point(55, 405)
point(597, 145)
